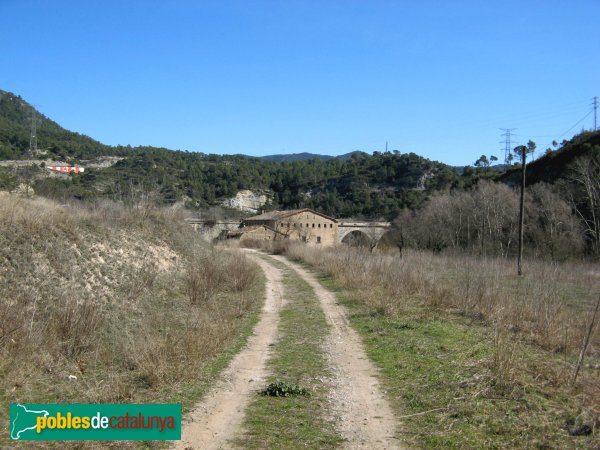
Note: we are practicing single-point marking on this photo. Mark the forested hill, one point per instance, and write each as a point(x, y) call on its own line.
point(357, 184)
point(558, 164)
point(15, 128)
point(291, 157)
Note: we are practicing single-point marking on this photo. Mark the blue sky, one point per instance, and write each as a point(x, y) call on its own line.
point(438, 78)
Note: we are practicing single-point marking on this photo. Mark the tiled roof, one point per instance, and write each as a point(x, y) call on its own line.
point(250, 229)
point(274, 215)
point(278, 215)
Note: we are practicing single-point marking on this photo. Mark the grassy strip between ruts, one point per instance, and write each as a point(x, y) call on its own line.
point(296, 421)
point(436, 369)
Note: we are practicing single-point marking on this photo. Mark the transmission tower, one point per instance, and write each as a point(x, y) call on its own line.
point(33, 137)
point(595, 113)
point(507, 143)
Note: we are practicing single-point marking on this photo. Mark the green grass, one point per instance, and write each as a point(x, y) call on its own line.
point(441, 364)
point(298, 358)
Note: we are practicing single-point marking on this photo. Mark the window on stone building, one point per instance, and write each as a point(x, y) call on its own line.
point(318, 239)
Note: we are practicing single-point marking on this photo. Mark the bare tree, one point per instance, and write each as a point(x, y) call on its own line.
point(586, 175)
point(552, 228)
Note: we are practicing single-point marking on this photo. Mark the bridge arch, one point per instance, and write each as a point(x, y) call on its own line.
point(388, 240)
point(371, 231)
point(356, 238)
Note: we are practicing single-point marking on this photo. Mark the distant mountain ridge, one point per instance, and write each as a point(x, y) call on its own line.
point(305, 156)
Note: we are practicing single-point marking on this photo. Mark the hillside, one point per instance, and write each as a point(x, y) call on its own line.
point(15, 128)
point(305, 156)
point(555, 165)
point(356, 184)
point(291, 157)
point(105, 304)
point(351, 185)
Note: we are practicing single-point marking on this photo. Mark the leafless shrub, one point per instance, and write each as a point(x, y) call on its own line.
point(240, 273)
point(280, 246)
point(252, 243)
point(203, 278)
point(100, 291)
point(74, 325)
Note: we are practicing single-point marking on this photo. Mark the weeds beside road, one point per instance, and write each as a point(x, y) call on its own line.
point(472, 356)
point(107, 304)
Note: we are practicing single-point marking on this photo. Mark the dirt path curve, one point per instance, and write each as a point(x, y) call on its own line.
point(216, 418)
point(364, 416)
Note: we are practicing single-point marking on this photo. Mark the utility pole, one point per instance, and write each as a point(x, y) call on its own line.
point(386, 142)
point(507, 143)
point(522, 151)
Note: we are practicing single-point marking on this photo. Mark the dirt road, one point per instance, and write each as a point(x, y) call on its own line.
point(214, 421)
point(362, 414)
point(365, 419)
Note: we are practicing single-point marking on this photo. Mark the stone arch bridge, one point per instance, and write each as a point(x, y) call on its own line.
point(371, 231)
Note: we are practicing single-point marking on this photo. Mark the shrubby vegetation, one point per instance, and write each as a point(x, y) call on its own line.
point(128, 302)
point(484, 221)
point(562, 219)
point(472, 355)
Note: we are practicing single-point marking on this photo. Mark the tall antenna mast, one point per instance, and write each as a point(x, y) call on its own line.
point(33, 137)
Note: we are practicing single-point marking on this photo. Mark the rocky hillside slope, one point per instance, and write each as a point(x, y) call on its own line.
point(112, 304)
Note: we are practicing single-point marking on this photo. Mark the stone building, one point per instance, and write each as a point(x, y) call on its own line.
point(304, 225)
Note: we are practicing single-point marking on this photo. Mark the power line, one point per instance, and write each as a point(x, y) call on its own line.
point(552, 111)
point(593, 110)
point(577, 123)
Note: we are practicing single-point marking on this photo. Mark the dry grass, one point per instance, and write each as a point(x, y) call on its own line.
point(550, 302)
point(128, 300)
point(546, 310)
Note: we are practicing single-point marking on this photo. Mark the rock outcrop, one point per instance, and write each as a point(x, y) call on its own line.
point(248, 201)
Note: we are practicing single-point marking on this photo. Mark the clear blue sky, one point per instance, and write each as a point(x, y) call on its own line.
point(260, 77)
